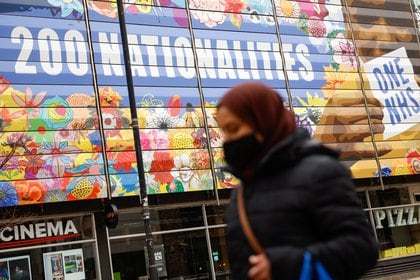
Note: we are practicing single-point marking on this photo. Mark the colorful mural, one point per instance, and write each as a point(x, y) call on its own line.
point(64, 109)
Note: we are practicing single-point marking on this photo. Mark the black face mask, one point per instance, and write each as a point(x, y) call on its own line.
point(242, 152)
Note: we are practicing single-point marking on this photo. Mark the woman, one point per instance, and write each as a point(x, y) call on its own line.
point(298, 197)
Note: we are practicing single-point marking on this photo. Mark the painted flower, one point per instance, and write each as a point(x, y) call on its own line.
point(313, 101)
point(235, 8)
point(55, 112)
point(8, 195)
point(4, 84)
point(28, 100)
point(109, 97)
point(336, 80)
point(29, 191)
point(304, 122)
point(200, 139)
point(183, 171)
point(175, 186)
point(105, 8)
point(180, 139)
point(153, 186)
point(161, 165)
point(210, 13)
point(159, 138)
point(123, 161)
point(112, 122)
point(163, 120)
point(148, 157)
point(57, 155)
point(17, 140)
point(400, 168)
point(146, 142)
point(86, 187)
point(55, 195)
point(6, 117)
point(67, 6)
point(33, 162)
point(201, 159)
point(316, 27)
point(313, 8)
point(288, 11)
point(413, 160)
point(344, 51)
point(11, 164)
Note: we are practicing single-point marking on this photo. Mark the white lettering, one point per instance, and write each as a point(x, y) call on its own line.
point(400, 221)
point(184, 58)
point(5, 234)
point(76, 53)
point(168, 58)
point(242, 74)
point(37, 230)
point(379, 217)
point(110, 52)
point(151, 42)
point(290, 62)
point(136, 58)
point(306, 72)
point(217, 59)
point(55, 230)
point(400, 216)
point(52, 65)
point(411, 220)
point(279, 62)
point(253, 61)
point(40, 230)
point(206, 61)
point(224, 61)
point(21, 65)
point(265, 49)
point(26, 231)
point(70, 228)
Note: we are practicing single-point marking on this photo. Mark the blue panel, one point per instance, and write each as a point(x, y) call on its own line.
point(40, 77)
point(60, 26)
point(42, 8)
point(214, 94)
point(161, 16)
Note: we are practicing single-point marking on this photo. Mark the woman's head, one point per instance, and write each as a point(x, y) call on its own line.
point(253, 119)
point(253, 108)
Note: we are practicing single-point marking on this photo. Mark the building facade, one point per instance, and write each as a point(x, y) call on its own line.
point(106, 105)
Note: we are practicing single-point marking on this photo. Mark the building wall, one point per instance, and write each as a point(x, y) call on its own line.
point(348, 69)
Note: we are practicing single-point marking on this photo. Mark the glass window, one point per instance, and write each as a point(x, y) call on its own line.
point(219, 253)
point(181, 254)
point(216, 214)
point(76, 260)
point(178, 218)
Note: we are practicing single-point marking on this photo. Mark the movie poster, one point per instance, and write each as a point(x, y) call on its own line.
point(15, 268)
point(64, 265)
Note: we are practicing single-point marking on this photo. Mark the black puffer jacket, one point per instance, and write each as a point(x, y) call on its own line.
point(302, 198)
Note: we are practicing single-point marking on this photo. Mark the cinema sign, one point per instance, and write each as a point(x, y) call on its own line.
point(397, 216)
point(36, 233)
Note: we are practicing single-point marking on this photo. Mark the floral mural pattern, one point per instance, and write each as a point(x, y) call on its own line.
point(61, 147)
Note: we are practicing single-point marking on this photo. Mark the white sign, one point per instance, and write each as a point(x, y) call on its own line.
point(391, 79)
point(395, 217)
point(37, 230)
